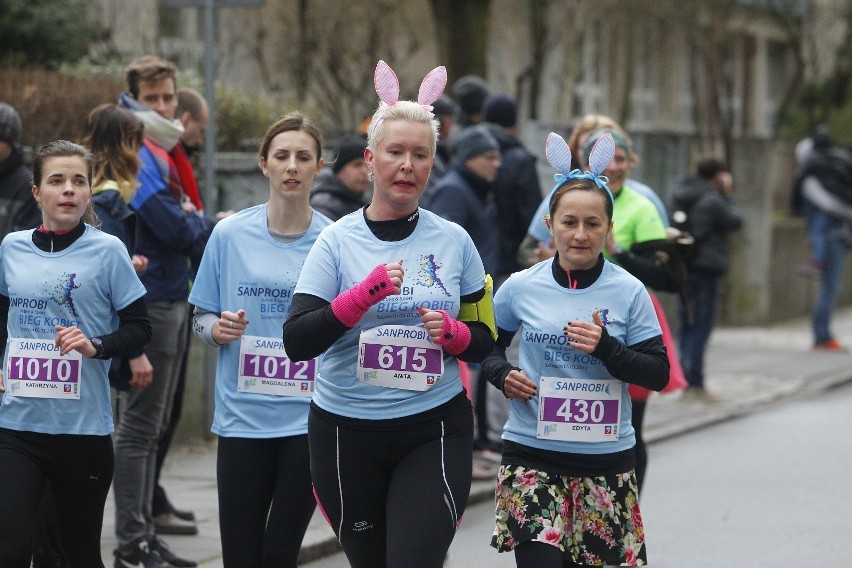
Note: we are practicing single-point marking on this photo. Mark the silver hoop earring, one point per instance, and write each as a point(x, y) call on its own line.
point(370, 176)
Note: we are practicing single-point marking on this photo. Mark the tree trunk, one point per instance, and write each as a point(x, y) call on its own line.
point(462, 28)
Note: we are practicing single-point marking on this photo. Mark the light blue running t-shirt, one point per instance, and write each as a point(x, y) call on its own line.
point(532, 303)
point(441, 264)
point(244, 267)
point(84, 285)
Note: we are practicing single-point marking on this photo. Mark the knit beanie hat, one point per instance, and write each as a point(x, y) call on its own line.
point(500, 109)
point(474, 141)
point(10, 125)
point(822, 137)
point(620, 142)
point(470, 92)
point(444, 106)
point(349, 147)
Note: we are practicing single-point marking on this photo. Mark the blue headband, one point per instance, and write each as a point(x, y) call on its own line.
point(559, 156)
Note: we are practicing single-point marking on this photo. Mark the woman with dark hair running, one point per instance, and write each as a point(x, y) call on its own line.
point(242, 294)
point(70, 300)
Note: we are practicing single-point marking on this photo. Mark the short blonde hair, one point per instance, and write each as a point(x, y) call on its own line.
point(402, 110)
point(590, 124)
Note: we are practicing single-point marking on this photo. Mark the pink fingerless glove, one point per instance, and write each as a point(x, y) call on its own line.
point(455, 335)
point(351, 305)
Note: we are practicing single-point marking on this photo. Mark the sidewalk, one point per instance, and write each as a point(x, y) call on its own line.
point(748, 368)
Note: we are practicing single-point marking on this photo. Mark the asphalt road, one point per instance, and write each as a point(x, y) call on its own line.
point(769, 489)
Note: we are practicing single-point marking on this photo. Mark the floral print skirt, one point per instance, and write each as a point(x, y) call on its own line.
point(595, 521)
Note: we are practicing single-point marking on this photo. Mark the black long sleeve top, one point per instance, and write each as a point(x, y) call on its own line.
point(645, 363)
point(311, 326)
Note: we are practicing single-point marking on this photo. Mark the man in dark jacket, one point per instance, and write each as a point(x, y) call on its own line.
point(340, 190)
point(517, 192)
point(18, 209)
point(172, 231)
point(823, 193)
point(702, 204)
point(464, 194)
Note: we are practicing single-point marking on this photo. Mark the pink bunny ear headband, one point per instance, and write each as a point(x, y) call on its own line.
point(559, 155)
point(387, 87)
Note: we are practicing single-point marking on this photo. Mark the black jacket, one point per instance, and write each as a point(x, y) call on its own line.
point(18, 208)
point(517, 194)
point(711, 215)
point(332, 198)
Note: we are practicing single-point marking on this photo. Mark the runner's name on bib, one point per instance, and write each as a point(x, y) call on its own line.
point(36, 369)
point(579, 410)
point(399, 357)
point(266, 369)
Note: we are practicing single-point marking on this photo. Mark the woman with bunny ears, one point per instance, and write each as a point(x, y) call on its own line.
point(393, 294)
point(567, 492)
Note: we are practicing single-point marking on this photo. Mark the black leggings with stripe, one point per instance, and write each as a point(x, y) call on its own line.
point(393, 490)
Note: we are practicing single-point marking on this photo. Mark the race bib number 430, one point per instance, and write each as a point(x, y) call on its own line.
point(579, 410)
point(400, 357)
point(36, 369)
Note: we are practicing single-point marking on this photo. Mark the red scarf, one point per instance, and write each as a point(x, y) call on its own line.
point(180, 177)
point(186, 175)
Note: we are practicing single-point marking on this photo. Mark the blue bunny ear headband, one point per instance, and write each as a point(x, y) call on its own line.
point(559, 156)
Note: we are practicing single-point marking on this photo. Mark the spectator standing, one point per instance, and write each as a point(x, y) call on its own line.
point(823, 193)
point(470, 93)
point(18, 209)
point(465, 197)
point(445, 111)
point(171, 233)
point(516, 189)
point(340, 189)
point(465, 194)
point(517, 194)
point(193, 114)
point(703, 204)
point(115, 135)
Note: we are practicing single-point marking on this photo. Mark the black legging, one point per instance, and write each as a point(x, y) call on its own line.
point(79, 469)
point(394, 490)
point(47, 552)
point(641, 449)
point(265, 500)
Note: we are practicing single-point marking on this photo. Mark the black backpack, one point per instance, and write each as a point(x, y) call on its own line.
point(670, 255)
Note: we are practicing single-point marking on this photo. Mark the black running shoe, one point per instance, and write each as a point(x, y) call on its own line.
point(161, 548)
point(139, 555)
